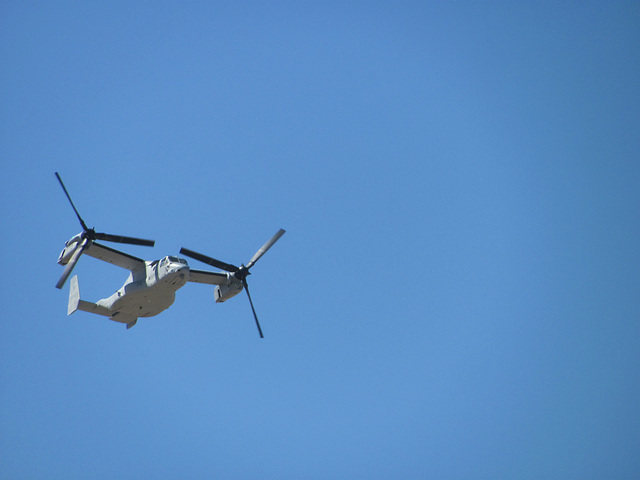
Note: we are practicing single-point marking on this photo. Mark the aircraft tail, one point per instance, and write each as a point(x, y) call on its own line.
point(76, 304)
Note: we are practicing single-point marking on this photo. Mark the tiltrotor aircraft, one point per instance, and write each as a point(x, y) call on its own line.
point(151, 286)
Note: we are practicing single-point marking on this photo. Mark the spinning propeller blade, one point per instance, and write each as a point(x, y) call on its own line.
point(84, 225)
point(265, 247)
point(122, 239)
point(242, 272)
point(246, 289)
point(89, 235)
point(227, 267)
point(72, 263)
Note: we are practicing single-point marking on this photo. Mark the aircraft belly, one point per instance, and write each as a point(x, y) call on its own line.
point(145, 303)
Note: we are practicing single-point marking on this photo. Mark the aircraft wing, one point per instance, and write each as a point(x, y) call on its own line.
point(113, 256)
point(212, 278)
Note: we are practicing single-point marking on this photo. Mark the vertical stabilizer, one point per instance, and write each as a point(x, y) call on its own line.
point(74, 296)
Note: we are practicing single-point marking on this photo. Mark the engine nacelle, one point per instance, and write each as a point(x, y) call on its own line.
point(226, 291)
point(69, 249)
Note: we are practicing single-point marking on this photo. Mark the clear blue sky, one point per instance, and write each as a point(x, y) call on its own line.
point(457, 294)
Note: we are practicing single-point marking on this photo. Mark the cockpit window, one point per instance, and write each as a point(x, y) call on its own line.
point(177, 260)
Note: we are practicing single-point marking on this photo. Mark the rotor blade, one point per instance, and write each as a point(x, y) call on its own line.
point(84, 226)
point(265, 247)
point(72, 263)
point(208, 260)
point(246, 287)
point(122, 239)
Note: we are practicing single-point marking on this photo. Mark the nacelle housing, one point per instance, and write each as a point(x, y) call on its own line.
point(69, 248)
point(224, 292)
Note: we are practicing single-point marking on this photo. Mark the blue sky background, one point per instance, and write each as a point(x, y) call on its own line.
point(457, 292)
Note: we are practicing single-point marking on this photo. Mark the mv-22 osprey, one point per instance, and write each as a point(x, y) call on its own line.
point(151, 285)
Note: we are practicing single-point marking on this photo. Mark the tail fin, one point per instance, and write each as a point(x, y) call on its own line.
point(74, 296)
